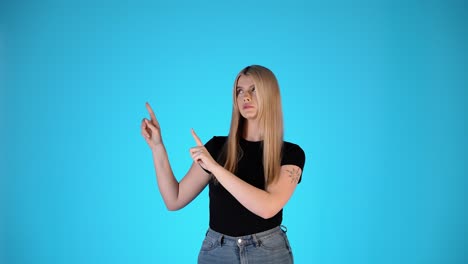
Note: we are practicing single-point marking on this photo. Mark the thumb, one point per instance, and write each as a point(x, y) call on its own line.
point(150, 125)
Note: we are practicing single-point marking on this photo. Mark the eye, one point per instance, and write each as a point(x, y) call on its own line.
point(253, 89)
point(239, 92)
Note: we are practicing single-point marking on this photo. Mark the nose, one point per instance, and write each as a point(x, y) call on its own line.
point(246, 98)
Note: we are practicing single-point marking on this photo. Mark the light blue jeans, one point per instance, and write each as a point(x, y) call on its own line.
point(271, 246)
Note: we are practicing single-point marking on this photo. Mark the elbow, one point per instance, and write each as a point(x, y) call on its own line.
point(172, 207)
point(268, 213)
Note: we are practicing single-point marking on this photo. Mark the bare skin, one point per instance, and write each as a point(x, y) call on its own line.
point(175, 194)
point(264, 203)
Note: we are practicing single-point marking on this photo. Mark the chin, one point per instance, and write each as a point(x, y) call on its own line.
point(250, 117)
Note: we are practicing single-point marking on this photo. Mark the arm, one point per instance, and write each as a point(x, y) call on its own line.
point(264, 203)
point(175, 195)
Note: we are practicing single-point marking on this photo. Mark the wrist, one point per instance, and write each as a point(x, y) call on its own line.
point(157, 147)
point(217, 169)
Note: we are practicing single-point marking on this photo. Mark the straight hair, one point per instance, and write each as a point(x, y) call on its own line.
point(270, 117)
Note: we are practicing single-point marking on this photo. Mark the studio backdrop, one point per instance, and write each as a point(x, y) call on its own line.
point(375, 92)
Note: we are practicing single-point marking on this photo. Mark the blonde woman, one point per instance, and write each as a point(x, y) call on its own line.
point(251, 174)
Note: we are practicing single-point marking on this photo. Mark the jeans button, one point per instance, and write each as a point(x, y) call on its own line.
point(239, 241)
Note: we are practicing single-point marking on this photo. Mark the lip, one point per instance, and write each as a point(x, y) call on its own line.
point(247, 107)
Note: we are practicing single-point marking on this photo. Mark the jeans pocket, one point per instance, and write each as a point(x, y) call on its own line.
point(274, 242)
point(209, 243)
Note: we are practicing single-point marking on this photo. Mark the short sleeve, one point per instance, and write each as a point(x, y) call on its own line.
point(210, 145)
point(214, 147)
point(293, 155)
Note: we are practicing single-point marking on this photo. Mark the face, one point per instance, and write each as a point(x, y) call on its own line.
point(247, 97)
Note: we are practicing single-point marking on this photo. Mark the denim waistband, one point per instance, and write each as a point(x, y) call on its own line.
point(253, 239)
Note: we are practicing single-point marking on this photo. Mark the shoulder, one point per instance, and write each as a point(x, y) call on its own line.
point(288, 146)
point(215, 144)
point(291, 148)
point(293, 154)
point(217, 140)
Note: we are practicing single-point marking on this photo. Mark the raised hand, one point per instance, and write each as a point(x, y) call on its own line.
point(150, 129)
point(201, 155)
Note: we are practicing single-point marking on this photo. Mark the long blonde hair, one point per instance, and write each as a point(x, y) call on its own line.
point(270, 118)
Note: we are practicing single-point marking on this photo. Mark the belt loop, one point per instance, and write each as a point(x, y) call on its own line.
point(255, 239)
point(284, 228)
point(221, 238)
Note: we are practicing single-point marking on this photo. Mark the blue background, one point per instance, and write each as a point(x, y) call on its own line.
point(375, 92)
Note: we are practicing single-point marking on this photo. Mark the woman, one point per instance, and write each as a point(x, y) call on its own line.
point(251, 173)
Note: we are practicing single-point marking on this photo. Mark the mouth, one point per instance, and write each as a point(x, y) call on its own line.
point(247, 107)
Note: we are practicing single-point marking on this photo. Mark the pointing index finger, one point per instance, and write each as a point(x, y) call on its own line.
point(197, 139)
point(150, 111)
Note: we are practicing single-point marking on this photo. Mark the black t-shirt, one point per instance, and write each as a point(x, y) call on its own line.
point(227, 215)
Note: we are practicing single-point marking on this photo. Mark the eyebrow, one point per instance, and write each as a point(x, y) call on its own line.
point(240, 87)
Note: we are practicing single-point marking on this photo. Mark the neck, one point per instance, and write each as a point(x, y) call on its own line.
point(252, 131)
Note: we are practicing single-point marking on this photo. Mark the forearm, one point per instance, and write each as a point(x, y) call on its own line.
point(254, 199)
point(167, 183)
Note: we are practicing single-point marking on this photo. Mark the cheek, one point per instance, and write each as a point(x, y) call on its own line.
point(239, 106)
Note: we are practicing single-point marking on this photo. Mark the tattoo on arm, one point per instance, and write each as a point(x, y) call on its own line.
point(294, 174)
